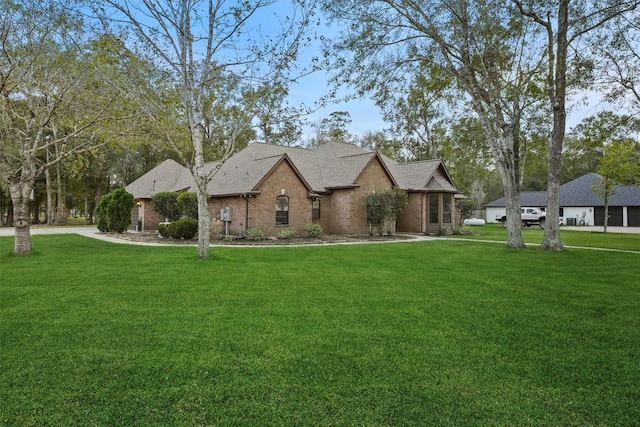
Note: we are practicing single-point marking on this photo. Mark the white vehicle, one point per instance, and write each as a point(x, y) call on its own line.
point(530, 216)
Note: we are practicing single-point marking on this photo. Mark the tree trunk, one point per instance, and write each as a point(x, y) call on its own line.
point(551, 239)
point(20, 192)
point(51, 216)
point(61, 214)
point(557, 87)
point(203, 224)
point(512, 204)
point(200, 176)
point(87, 220)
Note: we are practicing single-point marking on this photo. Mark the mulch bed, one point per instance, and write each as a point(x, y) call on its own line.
point(154, 237)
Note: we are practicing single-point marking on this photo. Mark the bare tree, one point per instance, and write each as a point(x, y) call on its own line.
point(48, 98)
point(217, 54)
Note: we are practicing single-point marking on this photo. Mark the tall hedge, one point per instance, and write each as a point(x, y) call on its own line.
point(188, 204)
point(384, 207)
point(114, 211)
point(176, 205)
point(166, 204)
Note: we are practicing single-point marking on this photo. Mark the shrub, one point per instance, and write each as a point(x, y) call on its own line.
point(216, 230)
point(184, 228)
point(314, 230)
point(256, 234)
point(443, 232)
point(465, 208)
point(465, 230)
point(166, 204)
point(163, 229)
point(286, 234)
point(114, 211)
point(188, 204)
point(101, 213)
point(383, 208)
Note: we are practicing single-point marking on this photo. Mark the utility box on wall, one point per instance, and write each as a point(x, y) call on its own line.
point(225, 214)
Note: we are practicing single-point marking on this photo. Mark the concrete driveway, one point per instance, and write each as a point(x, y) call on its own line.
point(87, 230)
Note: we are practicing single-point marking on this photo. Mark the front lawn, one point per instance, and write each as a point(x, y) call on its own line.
point(584, 238)
point(424, 333)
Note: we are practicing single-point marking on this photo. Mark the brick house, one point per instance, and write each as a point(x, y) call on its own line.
point(277, 188)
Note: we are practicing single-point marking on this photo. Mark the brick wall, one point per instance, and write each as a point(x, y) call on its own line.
point(238, 224)
point(150, 218)
point(411, 220)
point(262, 209)
point(338, 219)
point(373, 177)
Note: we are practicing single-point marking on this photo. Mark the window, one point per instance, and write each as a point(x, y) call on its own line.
point(433, 208)
point(446, 208)
point(315, 209)
point(282, 210)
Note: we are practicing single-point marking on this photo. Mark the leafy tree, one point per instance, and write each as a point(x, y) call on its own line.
point(48, 98)
point(620, 164)
point(588, 141)
point(213, 56)
point(465, 208)
point(480, 45)
point(332, 128)
point(564, 25)
point(278, 122)
point(382, 142)
point(114, 211)
point(421, 111)
point(384, 207)
point(376, 212)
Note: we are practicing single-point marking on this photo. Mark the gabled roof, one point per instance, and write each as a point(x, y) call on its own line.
point(332, 165)
point(578, 192)
point(426, 175)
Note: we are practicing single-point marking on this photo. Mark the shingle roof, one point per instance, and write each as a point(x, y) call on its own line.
point(527, 198)
point(578, 192)
point(332, 165)
point(167, 176)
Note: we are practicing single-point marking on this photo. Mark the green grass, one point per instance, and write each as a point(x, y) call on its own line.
point(534, 235)
point(426, 333)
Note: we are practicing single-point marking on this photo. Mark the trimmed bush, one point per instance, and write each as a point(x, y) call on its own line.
point(286, 234)
point(188, 204)
point(163, 230)
point(184, 228)
point(256, 234)
point(166, 204)
point(313, 230)
point(114, 211)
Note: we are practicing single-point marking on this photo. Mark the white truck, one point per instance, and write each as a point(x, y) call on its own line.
point(530, 216)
